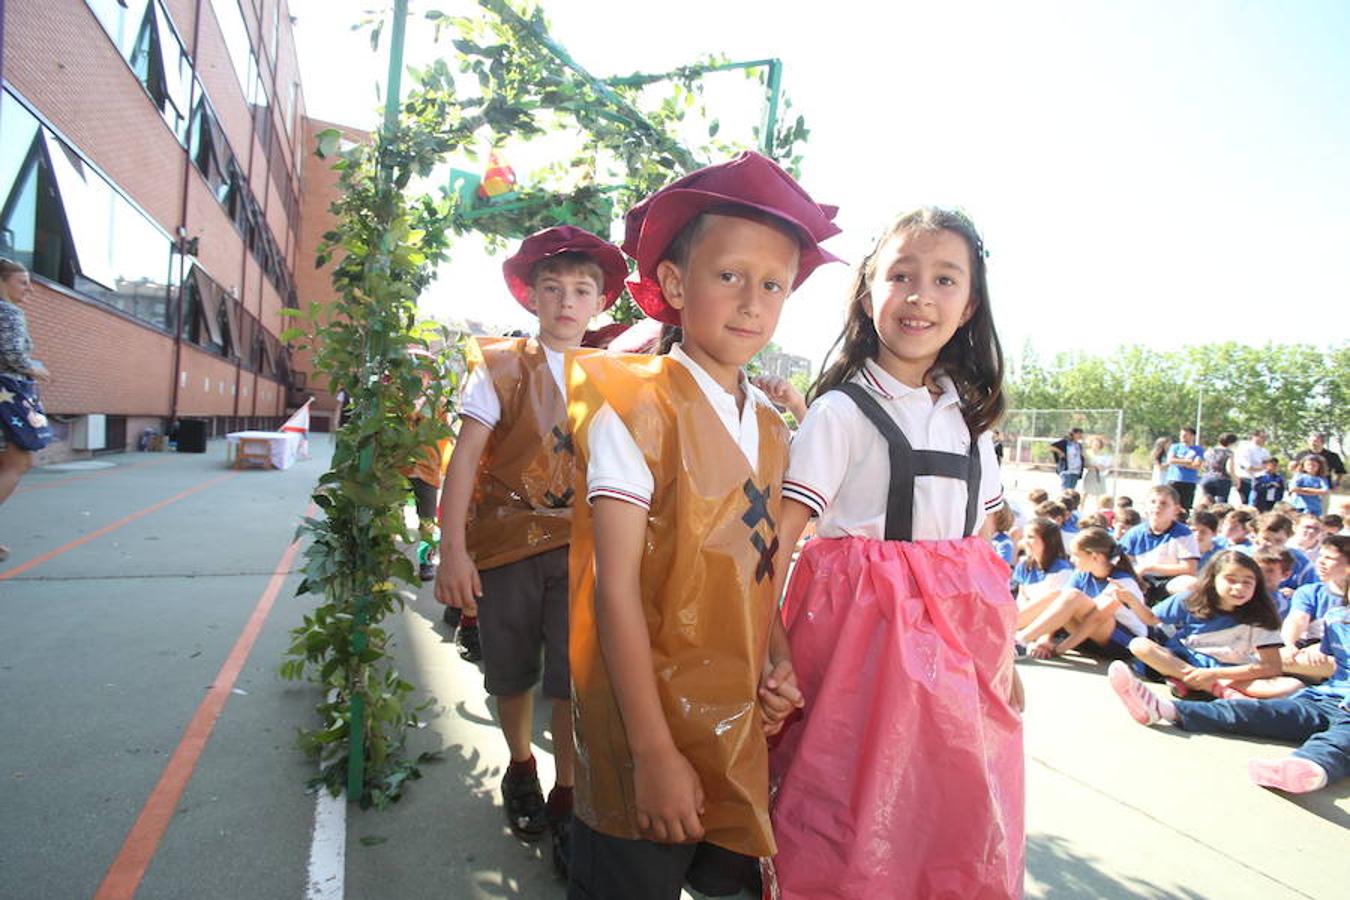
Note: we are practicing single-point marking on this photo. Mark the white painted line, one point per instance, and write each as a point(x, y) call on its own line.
point(328, 849)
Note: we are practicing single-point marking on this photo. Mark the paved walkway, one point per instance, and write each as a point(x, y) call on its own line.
point(132, 589)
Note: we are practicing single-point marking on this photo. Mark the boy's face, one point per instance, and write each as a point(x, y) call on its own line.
point(1162, 512)
point(1204, 536)
point(565, 302)
point(1274, 537)
point(1187, 436)
point(1331, 565)
point(1234, 529)
point(1271, 467)
point(1309, 532)
point(1272, 574)
point(730, 292)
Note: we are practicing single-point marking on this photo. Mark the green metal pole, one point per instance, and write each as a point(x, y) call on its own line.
point(356, 724)
point(771, 113)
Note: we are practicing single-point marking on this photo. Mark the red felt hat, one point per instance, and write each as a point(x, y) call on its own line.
point(750, 180)
point(565, 239)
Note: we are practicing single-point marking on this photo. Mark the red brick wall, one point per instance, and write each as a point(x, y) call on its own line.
point(100, 361)
point(59, 58)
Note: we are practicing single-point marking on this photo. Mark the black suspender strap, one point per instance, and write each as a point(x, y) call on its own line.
point(908, 463)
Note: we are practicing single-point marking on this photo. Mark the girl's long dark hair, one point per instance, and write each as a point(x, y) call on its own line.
point(973, 358)
point(1203, 599)
point(1099, 540)
point(1052, 542)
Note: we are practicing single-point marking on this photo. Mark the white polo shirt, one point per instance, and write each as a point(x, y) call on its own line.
point(840, 464)
point(478, 398)
point(618, 470)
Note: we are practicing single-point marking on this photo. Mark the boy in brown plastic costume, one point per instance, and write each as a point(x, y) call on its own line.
point(507, 510)
point(676, 678)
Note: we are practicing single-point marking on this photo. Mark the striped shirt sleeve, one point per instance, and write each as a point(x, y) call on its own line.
point(616, 468)
point(819, 457)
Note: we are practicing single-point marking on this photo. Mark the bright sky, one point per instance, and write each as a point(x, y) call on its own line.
point(1146, 172)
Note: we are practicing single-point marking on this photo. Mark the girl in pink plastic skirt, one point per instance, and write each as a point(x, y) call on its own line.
point(902, 775)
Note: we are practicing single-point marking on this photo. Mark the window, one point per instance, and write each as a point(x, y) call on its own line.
point(237, 42)
point(202, 314)
point(68, 224)
point(144, 35)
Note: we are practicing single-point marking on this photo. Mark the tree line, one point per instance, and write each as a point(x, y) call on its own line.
point(1290, 390)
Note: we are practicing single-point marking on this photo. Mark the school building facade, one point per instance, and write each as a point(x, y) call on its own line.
point(157, 179)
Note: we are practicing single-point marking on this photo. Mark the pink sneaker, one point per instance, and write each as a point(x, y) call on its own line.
point(1142, 703)
point(1293, 774)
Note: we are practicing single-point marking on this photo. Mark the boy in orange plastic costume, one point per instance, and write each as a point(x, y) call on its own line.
point(507, 513)
point(675, 682)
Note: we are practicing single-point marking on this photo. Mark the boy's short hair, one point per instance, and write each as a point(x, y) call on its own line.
point(1268, 556)
point(1221, 510)
point(1129, 516)
point(678, 250)
point(1275, 521)
point(1307, 515)
point(1037, 496)
point(1273, 461)
point(1207, 519)
point(1124, 501)
point(570, 262)
point(1244, 516)
point(1333, 522)
point(1094, 521)
point(1340, 543)
point(1070, 499)
point(1049, 509)
point(1004, 518)
point(1168, 490)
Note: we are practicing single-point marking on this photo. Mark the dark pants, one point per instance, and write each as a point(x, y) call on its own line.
point(1314, 720)
point(612, 868)
point(1069, 480)
point(1245, 490)
point(425, 495)
point(1218, 489)
point(1186, 491)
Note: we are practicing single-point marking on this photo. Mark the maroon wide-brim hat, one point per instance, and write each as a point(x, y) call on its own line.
point(565, 239)
point(749, 180)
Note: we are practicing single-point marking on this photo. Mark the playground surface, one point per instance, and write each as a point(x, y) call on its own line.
point(149, 742)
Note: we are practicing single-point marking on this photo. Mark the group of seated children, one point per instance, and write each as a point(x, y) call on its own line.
point(1245, 607)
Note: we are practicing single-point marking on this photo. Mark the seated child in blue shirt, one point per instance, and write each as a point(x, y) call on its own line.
point(1002, 540)
point(1043, 569)
point(1276, 566)
point(1304, 625)
point(1224, 635)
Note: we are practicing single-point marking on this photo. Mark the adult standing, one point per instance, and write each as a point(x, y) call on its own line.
point(1185, 459)
point(1334, 469)
point(1097, 465)
point(1220, 471)
point(1251, 462)
point(1068, 453)
point(23, 427)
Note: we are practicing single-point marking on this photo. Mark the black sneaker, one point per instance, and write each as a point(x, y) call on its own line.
point(451, 617)
point(470, 649)
point(525, 811)
point(561, 833)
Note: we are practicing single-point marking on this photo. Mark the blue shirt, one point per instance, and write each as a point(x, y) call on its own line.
point(1336, 644)
point(1267, 490)
point(1220, 640)
point(1304, 502)
point(1146, 548)
point(1027, 572)
point(1317, 601)
point(1188, 452)
point(1003, 546)
point(1092, 586)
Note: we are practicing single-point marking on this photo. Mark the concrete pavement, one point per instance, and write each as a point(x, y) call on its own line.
point(112, 644)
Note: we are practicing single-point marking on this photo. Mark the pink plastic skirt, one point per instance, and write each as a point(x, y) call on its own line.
point(904, 777)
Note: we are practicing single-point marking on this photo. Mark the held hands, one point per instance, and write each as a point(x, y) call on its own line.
point(783, 394)
point(669, 797)
point(778, 694)
point(1201, 679)
point(457, 582)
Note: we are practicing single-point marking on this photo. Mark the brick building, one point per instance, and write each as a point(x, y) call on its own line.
point(155, 178)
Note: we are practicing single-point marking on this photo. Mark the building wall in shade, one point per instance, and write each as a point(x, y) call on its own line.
point(73, 102)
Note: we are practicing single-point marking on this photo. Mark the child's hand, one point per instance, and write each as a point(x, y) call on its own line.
point(1043, 648)
point(783, 394)
point(669, 798)
point(1313, 656)
point(778, 695)
point(1201, 679)
point(457, 582)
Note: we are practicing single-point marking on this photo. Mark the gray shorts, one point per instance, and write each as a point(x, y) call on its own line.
point(522, 616)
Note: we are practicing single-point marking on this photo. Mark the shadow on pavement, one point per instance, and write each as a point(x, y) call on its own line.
point(1062, 872)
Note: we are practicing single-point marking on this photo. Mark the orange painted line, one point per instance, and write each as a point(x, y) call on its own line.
point(94, 535)
point(125, 874)
point(59, 482)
